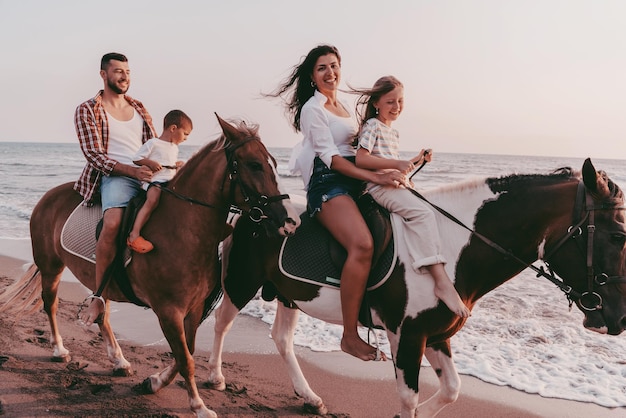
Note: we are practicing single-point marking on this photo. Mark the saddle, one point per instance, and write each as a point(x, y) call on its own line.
point(312, 255)
point(82, 229)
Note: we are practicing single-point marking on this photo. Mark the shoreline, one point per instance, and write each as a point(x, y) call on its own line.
point(344, 383)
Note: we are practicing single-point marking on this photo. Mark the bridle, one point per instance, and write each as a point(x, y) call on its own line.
point(584, 210)
point(257, 202)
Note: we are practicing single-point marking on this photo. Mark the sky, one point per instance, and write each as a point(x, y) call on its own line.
point(520, 77)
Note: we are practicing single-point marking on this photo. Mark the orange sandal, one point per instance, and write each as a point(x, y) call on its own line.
point(140, 245)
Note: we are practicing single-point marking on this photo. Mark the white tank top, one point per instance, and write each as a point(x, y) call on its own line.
point(124, 138)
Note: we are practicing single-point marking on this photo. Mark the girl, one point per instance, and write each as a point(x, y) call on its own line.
point(378, 149)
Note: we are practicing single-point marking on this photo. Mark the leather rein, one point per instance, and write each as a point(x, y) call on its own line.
point(584, 209)
point(256, 211)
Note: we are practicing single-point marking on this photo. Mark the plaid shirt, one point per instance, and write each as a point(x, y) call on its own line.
point(92, 128)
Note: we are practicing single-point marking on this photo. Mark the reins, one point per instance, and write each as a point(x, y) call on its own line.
point(255, 212)
point(588, 300)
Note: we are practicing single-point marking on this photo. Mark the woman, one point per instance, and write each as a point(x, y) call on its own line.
point(332, 180)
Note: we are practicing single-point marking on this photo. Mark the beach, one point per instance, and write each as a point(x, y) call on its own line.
point(257, 381)
point(522, 354)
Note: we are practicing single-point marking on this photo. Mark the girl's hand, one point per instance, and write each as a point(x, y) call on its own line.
point(423, 155)
point(179, 164)
point(404, 166)
point(427, 155)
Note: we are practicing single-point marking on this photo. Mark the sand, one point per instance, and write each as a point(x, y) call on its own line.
point(257, 382)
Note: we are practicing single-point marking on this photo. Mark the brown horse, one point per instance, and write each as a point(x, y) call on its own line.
point(181, 276)
point(513, 221)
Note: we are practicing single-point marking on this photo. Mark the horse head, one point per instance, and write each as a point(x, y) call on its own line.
point(255, 186)
point(596, 271)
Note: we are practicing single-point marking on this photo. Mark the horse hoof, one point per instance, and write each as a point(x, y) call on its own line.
point(122, 372)
point(144, 388)
point(220, 386)
point(315, 409)
point(66, 358)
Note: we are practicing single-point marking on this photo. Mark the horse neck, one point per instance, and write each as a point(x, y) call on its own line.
point(202, 190)
point(520, 220)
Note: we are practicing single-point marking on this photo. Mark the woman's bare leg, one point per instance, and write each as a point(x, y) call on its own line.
point(343, 220)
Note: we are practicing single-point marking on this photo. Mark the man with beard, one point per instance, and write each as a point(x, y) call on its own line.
point(111, 127)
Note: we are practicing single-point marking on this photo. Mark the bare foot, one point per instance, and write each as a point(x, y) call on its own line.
point(453, 301)
point(358, 348)
point(93, 313)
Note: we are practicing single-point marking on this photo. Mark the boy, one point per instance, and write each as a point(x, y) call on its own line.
point(161, 155)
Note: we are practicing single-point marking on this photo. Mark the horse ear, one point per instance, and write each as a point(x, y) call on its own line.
point(229, 130)
point(594, 182)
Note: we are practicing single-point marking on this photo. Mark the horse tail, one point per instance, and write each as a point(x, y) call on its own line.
point(212, 300)
point(23, 296)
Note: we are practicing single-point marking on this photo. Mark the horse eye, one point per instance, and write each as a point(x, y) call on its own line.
point(618, 238)
point(255, 166)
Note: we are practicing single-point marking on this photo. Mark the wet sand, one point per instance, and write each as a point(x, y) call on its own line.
point(258, 385)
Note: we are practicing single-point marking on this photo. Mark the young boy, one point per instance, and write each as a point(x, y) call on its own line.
point(161, 155)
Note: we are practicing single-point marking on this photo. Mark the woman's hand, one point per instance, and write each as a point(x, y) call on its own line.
point(394, 178)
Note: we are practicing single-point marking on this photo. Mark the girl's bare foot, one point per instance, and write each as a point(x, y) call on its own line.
point(453, 301)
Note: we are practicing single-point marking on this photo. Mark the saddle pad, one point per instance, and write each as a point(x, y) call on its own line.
point(305, 256)
point(78, 236)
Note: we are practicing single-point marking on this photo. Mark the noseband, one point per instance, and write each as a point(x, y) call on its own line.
point(584, 209)
point(256, 211)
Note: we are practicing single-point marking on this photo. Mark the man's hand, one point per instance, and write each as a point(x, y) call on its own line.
point(143, 173)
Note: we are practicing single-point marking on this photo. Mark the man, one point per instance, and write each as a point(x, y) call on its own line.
point(110, 127)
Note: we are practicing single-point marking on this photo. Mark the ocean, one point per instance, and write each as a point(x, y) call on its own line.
point(521, 335)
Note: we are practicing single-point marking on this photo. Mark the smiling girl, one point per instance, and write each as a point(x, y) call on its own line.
point(378, 149)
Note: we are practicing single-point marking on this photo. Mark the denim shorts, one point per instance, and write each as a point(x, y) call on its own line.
point(326, 184)
point(116, 191)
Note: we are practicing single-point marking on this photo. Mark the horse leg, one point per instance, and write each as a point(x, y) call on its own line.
point(407, 358)
point(159, 380)
point(439, 357)
point(49, 289)
point(224, 317)
point(282, 333)
point(174, 332)
point(121, 366)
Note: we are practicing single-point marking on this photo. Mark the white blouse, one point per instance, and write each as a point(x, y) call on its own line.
point(325, 135)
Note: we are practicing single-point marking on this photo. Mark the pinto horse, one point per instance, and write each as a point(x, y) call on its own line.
point(180, 278)
point(513, 221)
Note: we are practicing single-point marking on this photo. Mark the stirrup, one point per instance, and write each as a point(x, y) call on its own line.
point(100, 298)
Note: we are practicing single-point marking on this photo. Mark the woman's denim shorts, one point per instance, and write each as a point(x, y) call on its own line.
point(326, 184)
point(116, 191)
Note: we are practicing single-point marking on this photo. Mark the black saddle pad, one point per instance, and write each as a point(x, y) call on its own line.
point(306, 256)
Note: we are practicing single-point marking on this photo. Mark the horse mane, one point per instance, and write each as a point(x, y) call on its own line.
point(246, 129)
point(515, 181)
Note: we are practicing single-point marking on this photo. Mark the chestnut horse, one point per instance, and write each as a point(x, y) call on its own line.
point(181, 276)
point(513, 221)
